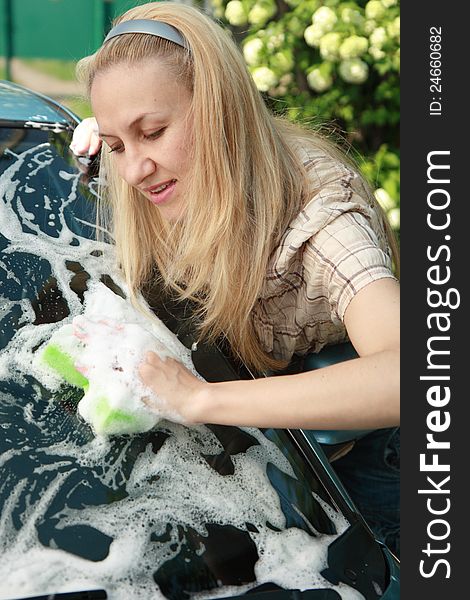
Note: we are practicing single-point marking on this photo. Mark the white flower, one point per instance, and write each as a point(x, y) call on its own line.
point(313, 34)
point(261, 13)
point(393, 28)
point(235, 13)
point(384, 199)
point(324, 18)
point(369, 26)
point(353, 46)
point(378, 37)
point(329, 45)
point(394, 218)
point(319, 80)
point(351, 16)
point(264, 78)
point(252, 50)
point(283, 62)
point(376, 53)
point(375, 9)
point(354, 70)
point(279, 91)
point(286, 79)
point(275, 41)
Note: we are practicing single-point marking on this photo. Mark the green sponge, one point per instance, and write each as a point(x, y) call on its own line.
point(119, 415)
point(105, 418)
point(63, 364)
point(111, 420)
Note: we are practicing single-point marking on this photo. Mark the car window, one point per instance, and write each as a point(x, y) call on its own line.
point(177, 511)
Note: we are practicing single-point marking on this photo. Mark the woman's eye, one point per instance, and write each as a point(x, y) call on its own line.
point(116, 148)
point(150, 136)
point(155, 134)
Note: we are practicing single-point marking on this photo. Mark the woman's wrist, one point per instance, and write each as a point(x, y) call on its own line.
point(200, 408)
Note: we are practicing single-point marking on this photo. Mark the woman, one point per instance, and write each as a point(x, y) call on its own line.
point(265, 226)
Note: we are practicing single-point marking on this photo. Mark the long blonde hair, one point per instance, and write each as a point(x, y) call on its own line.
point(247, 182)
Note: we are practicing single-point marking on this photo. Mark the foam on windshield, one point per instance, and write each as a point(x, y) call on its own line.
point(82, 510)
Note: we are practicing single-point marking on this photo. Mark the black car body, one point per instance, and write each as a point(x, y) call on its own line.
point(175, 511)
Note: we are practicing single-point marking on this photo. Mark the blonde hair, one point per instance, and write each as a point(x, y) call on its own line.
point(247, 182)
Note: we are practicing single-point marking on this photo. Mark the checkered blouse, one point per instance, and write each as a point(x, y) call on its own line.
point(330, 251)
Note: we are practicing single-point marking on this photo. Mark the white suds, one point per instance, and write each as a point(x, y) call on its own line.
point(140, 497)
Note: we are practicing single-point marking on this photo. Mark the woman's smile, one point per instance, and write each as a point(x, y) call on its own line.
point(160, 193)
point(147, 129)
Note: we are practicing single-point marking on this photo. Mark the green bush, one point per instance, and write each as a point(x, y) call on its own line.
point(330, 62)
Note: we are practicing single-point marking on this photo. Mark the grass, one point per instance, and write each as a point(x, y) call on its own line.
point(79, 106)
point(60, 69)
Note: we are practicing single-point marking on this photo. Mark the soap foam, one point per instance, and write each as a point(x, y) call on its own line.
point(109, 355)
point(147, 492)
point(189, 493)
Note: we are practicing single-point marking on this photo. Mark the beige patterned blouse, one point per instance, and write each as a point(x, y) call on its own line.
point(331, 250)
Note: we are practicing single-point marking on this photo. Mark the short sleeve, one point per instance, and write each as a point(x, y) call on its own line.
point(344, 257)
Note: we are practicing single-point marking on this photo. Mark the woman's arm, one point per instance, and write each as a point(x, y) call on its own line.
point(358, 394)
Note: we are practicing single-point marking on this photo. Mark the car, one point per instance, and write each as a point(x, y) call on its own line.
point(206, 511)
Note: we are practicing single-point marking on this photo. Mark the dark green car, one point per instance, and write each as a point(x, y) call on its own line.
point(177, 512)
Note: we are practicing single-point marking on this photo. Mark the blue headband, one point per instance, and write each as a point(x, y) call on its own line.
point(150, 27)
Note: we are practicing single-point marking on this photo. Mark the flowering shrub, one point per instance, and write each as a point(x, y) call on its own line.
point(330, 61)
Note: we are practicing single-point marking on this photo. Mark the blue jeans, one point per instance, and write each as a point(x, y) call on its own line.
point(370, 472)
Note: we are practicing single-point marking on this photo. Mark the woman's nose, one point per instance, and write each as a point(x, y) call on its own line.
point(137, 168)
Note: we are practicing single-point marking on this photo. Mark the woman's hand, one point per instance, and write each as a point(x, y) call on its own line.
point(85, 140)
point(175, 385)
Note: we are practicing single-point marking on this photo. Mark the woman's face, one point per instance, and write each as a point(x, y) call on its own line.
point(142, 117)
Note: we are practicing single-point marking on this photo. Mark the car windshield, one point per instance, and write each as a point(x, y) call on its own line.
point(177, 511)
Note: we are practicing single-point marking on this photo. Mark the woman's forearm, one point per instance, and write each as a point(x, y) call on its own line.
point(358, 394)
